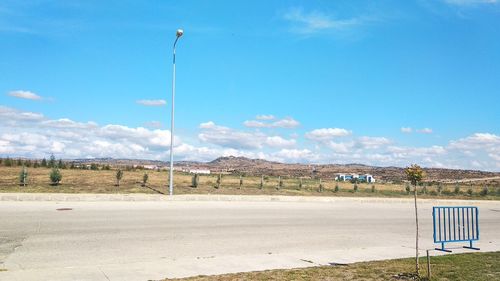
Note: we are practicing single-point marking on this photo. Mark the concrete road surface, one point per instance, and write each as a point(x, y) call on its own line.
point(152, 240)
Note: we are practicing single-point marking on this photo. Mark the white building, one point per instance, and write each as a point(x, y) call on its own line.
point(348, 177)
point(199, 171)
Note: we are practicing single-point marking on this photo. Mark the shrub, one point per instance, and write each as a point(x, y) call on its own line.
point(241, 181)
point(457, 189)
point(44, 162)
point(440, 188)
point(52, 161)
point(408, 188)
point(55, 176)
point(194, 181)
point(320, 187)
point(261, 185)
point(280, 183)
point(300, 183)
point(433, 193)
point(219, 181)
point(19, 162)
point(337, 188)
point(355, 188)
point(469, 191)
point(119, 176)
point(145, 179)
point(373, 188)
point(484, 191)
point(424, 189)
point(36, 164)
point(23, 176)
point(8, 162)
point(94, 166)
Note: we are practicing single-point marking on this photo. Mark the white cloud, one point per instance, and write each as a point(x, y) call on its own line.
point(153, 124)
point(406, 130)
point(265, 117)
point(425, 131)
point(152, 102)
point(373, 142)
point(227, 137)
point(29, 134)
point(285, 123)
point(277, 141)
point(24, 95)
point(341, 147)
point(231, 138)
point(470, 2)
point(256, 124)
point(315, 21)
point(327, 134)
point(13, 116)
point(294, 155)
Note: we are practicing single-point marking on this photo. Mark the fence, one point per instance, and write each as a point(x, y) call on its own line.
point(455, 224)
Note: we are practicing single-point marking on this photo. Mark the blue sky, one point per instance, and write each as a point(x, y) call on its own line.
point(383, 83)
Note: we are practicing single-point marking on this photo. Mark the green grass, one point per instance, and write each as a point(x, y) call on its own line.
point(459, 267)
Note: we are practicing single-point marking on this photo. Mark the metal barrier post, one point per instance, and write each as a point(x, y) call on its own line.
point(465, 218)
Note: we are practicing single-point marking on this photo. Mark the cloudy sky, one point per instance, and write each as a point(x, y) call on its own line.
point(385, 83)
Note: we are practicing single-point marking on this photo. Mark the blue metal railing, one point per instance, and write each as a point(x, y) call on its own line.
point(455, 224)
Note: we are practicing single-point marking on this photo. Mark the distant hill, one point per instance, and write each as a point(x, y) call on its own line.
point(263, 167)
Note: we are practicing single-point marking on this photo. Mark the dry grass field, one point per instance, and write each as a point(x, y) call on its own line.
point(104, 181)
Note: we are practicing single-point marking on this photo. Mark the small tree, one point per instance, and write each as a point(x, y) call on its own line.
point(219, 181)
point(194, 181)
point(241, 181)
point(440, 188)
point(44, 163)
point(337, 188)
point(19, 162)
point(36, 164)
point(355, 188)
point(8, 162)
point(320, 187)
point(408, 188)
point(300, 183)
point(55, 176)
point(415, 175)
point(280, 183)
point(261, 185)
point(373, 188)
point(484, 191)
point(23, 176)
point(145, 179)
point(457, 188)
point(469, 191)
point(52, 161)
point(94, 166)
point(119, 176)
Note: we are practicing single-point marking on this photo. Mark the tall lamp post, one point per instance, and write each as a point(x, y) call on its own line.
point(171, 176)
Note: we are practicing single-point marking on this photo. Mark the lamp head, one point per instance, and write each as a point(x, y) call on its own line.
point(179, 32)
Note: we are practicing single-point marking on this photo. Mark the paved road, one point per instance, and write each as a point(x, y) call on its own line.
point(152, 240)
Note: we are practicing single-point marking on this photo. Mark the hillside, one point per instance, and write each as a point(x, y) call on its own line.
point(248, 166)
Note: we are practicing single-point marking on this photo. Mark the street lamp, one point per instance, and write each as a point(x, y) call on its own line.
point(171, 177)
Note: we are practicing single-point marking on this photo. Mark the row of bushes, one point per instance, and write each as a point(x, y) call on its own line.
point(55, 176)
